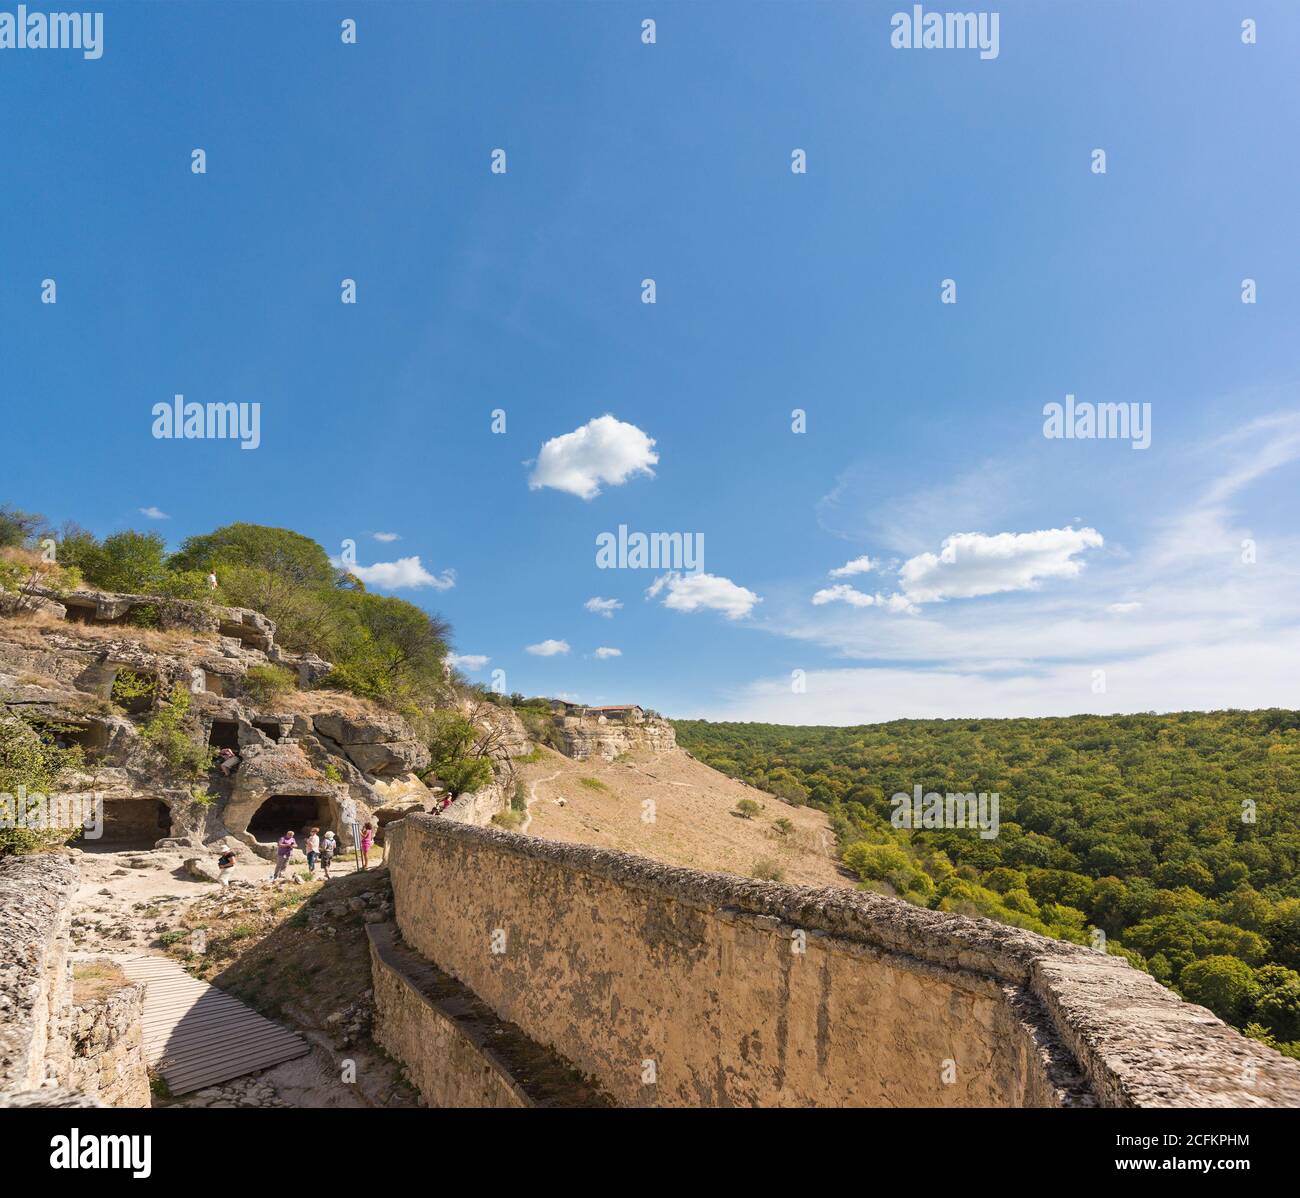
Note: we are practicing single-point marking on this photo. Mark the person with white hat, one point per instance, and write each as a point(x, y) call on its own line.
point(225, 864)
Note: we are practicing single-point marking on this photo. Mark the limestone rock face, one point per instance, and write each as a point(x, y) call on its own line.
point(595, 736)
point(375, 745)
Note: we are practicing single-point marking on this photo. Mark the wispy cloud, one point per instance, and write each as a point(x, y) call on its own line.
point(603, 607)
point(468, 661)
point(387, 536)
point(1180, 616)
point(604, 652)
point(154, 513)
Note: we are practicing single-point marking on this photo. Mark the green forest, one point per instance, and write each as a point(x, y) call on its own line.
point(1171, 840)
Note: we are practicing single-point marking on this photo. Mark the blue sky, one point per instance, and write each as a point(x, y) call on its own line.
point(775, 291)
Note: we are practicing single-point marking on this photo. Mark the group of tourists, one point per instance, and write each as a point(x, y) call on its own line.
point(320, 850)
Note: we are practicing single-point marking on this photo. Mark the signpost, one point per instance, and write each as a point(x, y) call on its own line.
point(350, 818)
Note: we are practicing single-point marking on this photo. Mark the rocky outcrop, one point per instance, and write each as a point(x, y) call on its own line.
point(597, 735)
point(380, 745)
point(36, 894)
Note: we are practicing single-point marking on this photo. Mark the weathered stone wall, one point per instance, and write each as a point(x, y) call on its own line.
point(479, 806)
point(107, 1040)
point(447, 1066)
point(36, 894)
point(673, 987)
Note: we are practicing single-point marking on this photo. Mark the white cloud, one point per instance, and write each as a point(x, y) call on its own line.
point(604, 450)
point(1121, 608)
point(604, 652)
point(387, 536)
point(841, 592)
point(468, 661)
point(1204, 678)
point(859, 565)
point(405, 573)
point(548, 648)
point(700, 591)
point(154, 513)
point(970, 564)
point(603, 607)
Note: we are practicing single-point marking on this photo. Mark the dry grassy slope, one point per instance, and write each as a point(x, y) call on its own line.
point(694, 823)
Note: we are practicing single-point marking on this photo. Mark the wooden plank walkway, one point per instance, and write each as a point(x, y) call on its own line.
point(196, 1035)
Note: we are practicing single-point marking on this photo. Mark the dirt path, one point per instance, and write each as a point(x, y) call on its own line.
point(143, 901)
point(533, 798)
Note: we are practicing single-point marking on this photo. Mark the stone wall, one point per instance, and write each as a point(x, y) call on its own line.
point(672, 987)
point(457, 1052)
point(36, 894)
point(479, 806)
point(107, 1041)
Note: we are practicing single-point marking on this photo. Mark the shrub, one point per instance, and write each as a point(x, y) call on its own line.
point(519, 800)
point(265, 684)
point(748, 808)
point(510, 820)
point(783, 826)
point(592, 783)
point(451, 754)
point(767, 870)
point(29, 766)
point(172, 735)
point(129, 687)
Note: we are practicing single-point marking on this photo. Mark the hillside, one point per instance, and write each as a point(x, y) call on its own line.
point(695, 821)
point(1170, 839)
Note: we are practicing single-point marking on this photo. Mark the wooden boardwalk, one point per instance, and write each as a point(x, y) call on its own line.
point(196, 1035)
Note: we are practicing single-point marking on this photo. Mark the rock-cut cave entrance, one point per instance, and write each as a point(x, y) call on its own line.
point(282, 813)
point(224, 735)
point(132, 824)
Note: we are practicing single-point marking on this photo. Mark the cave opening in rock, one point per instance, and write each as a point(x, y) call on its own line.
point(284, 813)
point(92, 738)
point(134, 823)
point(224, 734)
point(270, 728)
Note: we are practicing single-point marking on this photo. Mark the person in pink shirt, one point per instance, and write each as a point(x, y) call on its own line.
point(283, 850)
point(367, 839)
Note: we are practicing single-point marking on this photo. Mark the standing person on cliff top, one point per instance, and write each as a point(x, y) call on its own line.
point(283, 850)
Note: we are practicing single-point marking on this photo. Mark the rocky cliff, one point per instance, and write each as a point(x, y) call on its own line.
point(95, 668)
point(584, 733)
